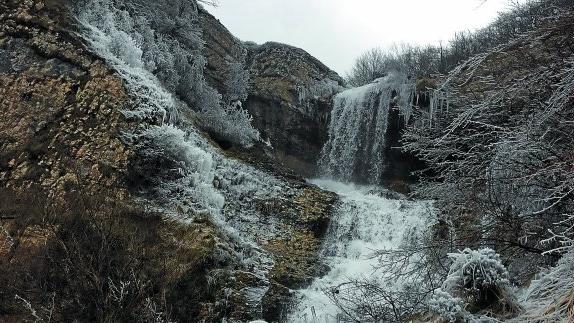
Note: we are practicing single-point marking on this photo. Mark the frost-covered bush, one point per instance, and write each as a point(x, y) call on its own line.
point(477, 284)
point(164, 39)
point(479, 278)
point(232, 123)
point(446, 306)
point(237, 81)
point(476, 270)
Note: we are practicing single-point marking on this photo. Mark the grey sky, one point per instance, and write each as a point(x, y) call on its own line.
point(337, 31)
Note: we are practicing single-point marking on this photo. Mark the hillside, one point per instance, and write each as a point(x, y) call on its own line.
point(100, 196)
point(155, 168)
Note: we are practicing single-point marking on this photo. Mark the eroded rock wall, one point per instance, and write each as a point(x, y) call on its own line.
point(290, 98)
point(59, 105)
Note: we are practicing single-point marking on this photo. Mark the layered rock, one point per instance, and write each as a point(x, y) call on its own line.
point(290, 92)
point(60, 105)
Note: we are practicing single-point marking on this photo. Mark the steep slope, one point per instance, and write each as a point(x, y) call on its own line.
point(498, 134)
point(99, 123)
point(221, 48)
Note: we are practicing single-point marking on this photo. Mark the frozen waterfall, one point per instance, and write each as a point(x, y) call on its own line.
point(356, 147)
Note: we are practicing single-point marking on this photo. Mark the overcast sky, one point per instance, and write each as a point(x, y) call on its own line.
point(337, 31)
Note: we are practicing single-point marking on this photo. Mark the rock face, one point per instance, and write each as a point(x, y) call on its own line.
point(59, 105)
point(61, 126)
point(290, 92)
point(221, 47)
point(290, 98)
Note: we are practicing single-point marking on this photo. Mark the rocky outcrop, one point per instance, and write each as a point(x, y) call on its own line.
point(59, 105)
point(290, 92)
point(221, 47)
point(290, 98)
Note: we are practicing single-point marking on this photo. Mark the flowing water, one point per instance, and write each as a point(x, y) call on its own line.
point(366, 219)
point(358, 129)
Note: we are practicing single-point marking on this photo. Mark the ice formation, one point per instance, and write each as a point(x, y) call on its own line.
point(196, 178)
point(357, 132)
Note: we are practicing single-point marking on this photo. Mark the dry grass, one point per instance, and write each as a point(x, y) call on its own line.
point(90, 258)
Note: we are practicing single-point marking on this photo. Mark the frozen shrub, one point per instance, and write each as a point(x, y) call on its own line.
point(476, 269)
point(479, 278)
point(447, 307)
point(232, 123)
point(237, 82)
point(156, 46)
point(169, 162)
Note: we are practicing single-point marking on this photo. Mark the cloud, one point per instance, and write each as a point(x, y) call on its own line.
point(337, 31)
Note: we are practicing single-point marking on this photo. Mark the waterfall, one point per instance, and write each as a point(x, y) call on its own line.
point(198, 179)
point(357, 131)
point(367, 219)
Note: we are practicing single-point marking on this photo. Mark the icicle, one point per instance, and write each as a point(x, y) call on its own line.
point(359, 122)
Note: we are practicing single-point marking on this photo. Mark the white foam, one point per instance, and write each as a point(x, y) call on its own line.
point(364, 221)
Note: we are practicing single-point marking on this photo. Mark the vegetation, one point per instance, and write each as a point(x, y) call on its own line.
point(89, 259)
point(496, 133)
point(162, 42)
point(421, 61)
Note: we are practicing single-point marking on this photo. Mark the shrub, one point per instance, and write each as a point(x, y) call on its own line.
point(168, 163)
point(156, 46)
point(479, 278)
point(447, 307)
point(86, 258)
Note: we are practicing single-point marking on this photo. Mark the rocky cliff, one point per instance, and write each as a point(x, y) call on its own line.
point(290, 92)
point(60, 105)
point(221, 47)
point(290, 99)
point(92, 202)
